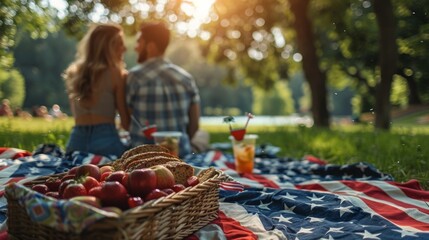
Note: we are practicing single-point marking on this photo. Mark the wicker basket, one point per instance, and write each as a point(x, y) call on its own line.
point(173, 217)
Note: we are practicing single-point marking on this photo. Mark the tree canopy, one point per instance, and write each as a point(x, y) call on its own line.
point(362, 45)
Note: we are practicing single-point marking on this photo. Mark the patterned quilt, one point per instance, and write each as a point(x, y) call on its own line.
point(285, 198)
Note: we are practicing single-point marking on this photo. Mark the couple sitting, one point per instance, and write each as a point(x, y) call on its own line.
point(155, 91)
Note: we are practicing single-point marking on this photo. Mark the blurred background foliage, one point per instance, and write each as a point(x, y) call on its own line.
point(245, 54)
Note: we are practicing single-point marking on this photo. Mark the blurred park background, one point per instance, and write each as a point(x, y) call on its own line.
point(329, 60)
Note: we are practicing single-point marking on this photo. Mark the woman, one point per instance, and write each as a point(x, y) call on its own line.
point(95, 84)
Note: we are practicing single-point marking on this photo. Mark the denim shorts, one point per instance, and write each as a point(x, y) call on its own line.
point(100, 139)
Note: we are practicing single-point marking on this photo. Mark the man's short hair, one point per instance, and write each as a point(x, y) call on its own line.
point(156, 32)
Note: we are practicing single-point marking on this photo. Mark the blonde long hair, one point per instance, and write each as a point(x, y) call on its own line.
point(95, 53)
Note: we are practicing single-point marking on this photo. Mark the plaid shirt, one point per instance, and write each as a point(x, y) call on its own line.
point(159, 92)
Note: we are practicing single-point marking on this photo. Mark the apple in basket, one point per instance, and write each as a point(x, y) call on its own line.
point(135, 202)
point(67, 177)
point(73, 170)
point(155, 194)
point(192, 181)
point(63, 186)
point(53, 195)
point(53, 183)
point(178, 187)
point(96, 192)
point(89, 182)
point(106, 168)
point(114, 194)
point(115, 176)
point(74, 190)
point(88, 170)
point(40, 188)
point(104, 176)
point(164, 177)
point(141, 181)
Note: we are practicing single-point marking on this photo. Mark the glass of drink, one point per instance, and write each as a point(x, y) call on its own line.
point(169, 140)
point(244, 153)
point(148, 131)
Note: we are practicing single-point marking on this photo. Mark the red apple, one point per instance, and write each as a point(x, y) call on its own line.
point(53, 183)
point(115, 176)
point(134, 201)
point(164, 177)
point(178, 187)
point(114, 194)
point(67, 177)
point(96, 192)
point(73, 170)
point(141, 181)
point(124, 180)
point(90, 200)
point(40, 188)
point(74, 190)
point(192, 181)
point(104, 176)
point(88, 170)
point(90, 182)
point(168, 191)
point(63, 186)
point(155, 194)
point(53, 195)
point(106, 168)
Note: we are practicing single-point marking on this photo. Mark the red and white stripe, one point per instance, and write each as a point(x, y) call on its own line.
point(13, 153)
point(390, 201)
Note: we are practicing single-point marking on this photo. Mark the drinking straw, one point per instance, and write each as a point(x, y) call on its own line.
point(249, 116)
point(136, 121)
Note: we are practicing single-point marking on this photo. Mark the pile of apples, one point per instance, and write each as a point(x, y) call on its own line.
point(104, 187)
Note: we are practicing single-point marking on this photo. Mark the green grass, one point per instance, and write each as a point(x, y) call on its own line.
point(410, 119)
point(27, 134)
point(403, 152)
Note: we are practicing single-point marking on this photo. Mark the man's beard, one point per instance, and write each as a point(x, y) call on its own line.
point(142, 56)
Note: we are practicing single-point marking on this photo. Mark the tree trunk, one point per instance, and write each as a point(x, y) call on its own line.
point(310, 62)
point(388, 61)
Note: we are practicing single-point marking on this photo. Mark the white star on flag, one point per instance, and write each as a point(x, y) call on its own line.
point(368, 235)
point(344, 210)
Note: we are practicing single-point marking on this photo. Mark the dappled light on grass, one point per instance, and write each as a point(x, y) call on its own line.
point(332, 147)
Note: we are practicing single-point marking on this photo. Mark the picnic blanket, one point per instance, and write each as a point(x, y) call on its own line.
point(285, 198)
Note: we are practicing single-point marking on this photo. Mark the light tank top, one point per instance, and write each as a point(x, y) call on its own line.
point(104, 104)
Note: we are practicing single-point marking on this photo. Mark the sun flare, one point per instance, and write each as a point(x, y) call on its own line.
point(197, 8)
point(199, 11)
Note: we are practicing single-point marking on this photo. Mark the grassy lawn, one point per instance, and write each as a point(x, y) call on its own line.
point(403, 152)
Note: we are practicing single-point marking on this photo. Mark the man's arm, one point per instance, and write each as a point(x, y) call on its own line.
point(194, 120)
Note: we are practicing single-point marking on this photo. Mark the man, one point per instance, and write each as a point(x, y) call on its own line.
point(159, 92)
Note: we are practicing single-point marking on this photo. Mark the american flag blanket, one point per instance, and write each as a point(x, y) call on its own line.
point(285, 198)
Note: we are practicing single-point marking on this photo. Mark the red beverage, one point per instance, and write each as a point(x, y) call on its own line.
point(148, 131)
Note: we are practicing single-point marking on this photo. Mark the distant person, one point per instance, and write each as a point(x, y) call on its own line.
point(42, 112)
point(95, 84)
point(160, 92)
point(22, 114)
point(56, 112)
point(5, 109)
